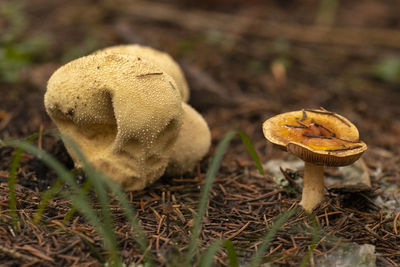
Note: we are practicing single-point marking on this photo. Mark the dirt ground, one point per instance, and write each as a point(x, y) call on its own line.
point(245, 61)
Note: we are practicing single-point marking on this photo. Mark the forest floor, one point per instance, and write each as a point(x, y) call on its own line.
point(244, 62)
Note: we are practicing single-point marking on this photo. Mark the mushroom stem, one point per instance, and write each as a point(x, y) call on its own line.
point(313, 186)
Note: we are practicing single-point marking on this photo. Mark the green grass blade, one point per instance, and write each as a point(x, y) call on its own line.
point(99, 180)
point(256, 261)
point(46, 196)
point(250, 147)
point(209, 179)
point(130, 214)
point(98, 183)
point(94, 251)
point(78, 197)
point(108, 225)
point(231, 252)
point(12, 181)
point(205, 193)
point(314, 240)
point(85, 188)
point(208, 257)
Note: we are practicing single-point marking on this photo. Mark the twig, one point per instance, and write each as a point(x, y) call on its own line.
point(296, 126)
point(239, 231)
point(15, 254)
point(328, 113)
point(290, 179)
point(304, 115)
point(395, 222)
point(325, 128)
point(160, 224)
point(301, 123)
point(316, 136)
point(149, 74)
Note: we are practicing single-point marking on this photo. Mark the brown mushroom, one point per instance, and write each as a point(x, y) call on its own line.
point(320, 138)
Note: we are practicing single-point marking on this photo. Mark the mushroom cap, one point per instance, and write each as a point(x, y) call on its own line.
point(317, 136)
point(163, 60)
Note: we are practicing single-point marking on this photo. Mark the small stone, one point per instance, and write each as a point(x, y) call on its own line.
point(350, 178)
point(348, 255)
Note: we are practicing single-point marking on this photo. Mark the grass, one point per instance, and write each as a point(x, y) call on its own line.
point(11, 186)
point(103, 223)
point(13, 181)
point(315, 238)
point(77, 197)
point(205, 192)
point(208, 257)
point(257, 259)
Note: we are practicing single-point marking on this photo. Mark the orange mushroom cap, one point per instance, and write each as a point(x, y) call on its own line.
point(317, 136)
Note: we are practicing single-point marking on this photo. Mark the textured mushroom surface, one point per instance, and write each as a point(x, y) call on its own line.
point(192, 144)
point(316, 135)
point(161, 59)
point(124, 113)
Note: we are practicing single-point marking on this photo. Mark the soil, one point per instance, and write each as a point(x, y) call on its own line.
point(245, 61)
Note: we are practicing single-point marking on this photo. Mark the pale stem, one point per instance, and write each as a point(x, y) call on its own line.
point(313, 186)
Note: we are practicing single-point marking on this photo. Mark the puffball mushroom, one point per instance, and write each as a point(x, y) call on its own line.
point(320, 138)
point(192, 144)
point(194, 138)
point(124, 113)
point(161, 59)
